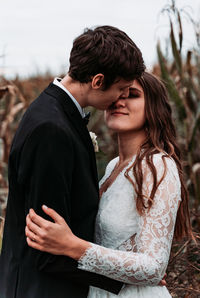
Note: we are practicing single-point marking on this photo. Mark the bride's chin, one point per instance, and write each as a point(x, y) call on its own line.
point(116, 129)
point(116, 126)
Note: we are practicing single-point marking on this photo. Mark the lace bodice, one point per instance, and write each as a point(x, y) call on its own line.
point(129, 247)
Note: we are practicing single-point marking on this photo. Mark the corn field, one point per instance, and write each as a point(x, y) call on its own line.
point(181, 74)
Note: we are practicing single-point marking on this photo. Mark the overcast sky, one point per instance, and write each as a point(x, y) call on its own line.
point(37, 35)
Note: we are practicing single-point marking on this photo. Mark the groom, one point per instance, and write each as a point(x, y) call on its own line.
point(52, 162)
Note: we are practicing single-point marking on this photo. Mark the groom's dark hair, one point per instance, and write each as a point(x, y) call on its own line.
point(105, 50)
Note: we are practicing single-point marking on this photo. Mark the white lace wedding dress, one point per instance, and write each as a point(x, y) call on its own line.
point(131, 248)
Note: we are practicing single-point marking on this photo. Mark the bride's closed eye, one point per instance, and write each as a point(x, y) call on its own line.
point(134, 93)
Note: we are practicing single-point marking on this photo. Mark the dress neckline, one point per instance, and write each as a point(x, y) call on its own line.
point(106, 177)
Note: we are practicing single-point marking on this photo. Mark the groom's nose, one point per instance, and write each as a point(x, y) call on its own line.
point(125, 93)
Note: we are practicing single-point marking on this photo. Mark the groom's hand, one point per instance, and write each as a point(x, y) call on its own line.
point(163, 281)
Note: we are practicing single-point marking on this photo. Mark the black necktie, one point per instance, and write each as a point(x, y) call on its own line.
point(86, 118)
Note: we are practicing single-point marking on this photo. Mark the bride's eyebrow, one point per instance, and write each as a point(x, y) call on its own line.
point(135, 89)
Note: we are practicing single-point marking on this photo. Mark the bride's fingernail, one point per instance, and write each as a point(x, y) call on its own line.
point(44, 206)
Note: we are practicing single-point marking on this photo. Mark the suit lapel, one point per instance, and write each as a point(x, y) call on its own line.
point(75, 117)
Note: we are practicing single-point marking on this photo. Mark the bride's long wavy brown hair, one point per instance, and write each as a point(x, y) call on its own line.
point(161, 137)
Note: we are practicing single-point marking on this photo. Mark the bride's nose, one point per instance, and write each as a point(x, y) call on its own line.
point(120, 103)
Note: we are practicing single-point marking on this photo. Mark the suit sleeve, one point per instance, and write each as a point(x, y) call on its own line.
point(45, 170)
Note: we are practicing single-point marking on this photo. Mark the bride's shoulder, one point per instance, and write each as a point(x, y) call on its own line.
point(163, 162)
point(163, 159)
point(110, 166)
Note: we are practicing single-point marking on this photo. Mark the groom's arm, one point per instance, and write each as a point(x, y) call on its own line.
point(67, 268)
point(45, 170)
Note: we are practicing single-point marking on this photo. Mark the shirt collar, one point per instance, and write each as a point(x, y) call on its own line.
point(59, 84)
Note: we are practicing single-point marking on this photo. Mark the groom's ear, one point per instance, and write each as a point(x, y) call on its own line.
point(97, 81)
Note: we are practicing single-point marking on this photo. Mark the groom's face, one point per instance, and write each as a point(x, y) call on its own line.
point(102, 99)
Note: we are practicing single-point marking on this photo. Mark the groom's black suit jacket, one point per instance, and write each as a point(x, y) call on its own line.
point(52, 162)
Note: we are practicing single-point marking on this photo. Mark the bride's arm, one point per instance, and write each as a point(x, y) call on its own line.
point(148, 264)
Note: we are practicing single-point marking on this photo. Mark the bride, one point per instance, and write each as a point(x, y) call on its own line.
point(143, 200)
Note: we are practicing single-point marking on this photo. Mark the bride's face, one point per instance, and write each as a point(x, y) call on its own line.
point(127, 114)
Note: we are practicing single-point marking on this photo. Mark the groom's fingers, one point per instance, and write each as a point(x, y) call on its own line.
point(162, 283)
point(53, 214)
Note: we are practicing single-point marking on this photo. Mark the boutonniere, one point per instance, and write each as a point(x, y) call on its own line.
point(94, 141)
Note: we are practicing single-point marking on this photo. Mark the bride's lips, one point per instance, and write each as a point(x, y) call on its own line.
point(118, 113)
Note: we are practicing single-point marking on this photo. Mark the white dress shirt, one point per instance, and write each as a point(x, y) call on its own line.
point(59, 84)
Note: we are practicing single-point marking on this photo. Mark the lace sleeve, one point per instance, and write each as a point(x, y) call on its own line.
point(147, 265)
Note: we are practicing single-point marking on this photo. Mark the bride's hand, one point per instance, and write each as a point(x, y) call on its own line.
point(53, 237)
